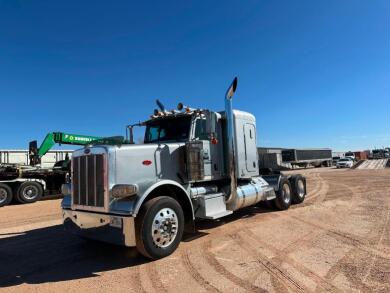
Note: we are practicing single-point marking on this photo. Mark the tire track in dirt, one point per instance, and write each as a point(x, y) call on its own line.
point(377, 247)
point(320, 194)
point(155, 278)
point(313, 179)
point(195, 274)
point(282, 256)
point(30, 221)
point(136, 280)
point(212, 261)
point(360, 248)
point(344, 266)
point(347, 238)
point(352, 240)
point(284, 279)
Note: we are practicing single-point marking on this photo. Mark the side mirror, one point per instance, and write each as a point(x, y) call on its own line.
point(232, 89)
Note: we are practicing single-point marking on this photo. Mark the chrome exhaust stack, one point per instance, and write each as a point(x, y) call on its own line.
point(255, 190)
point(231, 201)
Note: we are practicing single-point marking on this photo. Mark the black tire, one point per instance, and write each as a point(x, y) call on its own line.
point(29, 192)
point(154, 245)
point(5, 194)
point(298, 185)
point(283, 195)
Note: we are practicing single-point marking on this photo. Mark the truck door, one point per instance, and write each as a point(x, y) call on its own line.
point(212, 153)
point(250, 147)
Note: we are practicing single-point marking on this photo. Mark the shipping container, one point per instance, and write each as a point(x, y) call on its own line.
point(361, 155)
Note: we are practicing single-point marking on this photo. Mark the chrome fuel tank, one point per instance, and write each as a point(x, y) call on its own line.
point(253, 192)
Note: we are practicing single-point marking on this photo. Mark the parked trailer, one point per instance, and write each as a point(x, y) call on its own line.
point(27, 184)
point(307, 157)
point(26, 176)
point(272, 158)
point(193, 164)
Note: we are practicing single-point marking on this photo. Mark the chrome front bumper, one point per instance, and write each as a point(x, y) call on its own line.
point(107, 228)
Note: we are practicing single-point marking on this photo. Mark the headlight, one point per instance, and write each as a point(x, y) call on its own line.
point(124, 190)
point(66, 189)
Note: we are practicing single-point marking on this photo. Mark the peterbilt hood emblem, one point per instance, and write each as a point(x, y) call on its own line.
point(87, 151)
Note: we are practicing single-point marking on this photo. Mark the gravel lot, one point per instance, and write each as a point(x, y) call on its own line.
point(337, 240)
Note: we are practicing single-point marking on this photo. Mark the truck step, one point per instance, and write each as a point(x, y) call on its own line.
point(218, 215)
point(212, 206)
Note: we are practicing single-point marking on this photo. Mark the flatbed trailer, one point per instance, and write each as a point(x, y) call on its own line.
point(27, 184)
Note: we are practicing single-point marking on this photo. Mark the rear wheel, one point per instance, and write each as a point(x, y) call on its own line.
point(159, 227)
point(298, 184)
point(283, 195)
point(29, 192)
point(5, 194)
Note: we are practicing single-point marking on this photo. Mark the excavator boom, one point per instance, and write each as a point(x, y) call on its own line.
point(53, 138)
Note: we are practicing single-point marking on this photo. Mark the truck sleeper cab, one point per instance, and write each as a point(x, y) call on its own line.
point(194, 164)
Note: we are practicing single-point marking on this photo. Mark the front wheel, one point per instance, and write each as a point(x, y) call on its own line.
point(283, 195)
point(159, 227)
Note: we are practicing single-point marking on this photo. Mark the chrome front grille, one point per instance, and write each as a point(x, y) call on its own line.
point(89, 181)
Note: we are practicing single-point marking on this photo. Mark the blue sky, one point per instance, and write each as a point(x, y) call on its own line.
point(315, 73)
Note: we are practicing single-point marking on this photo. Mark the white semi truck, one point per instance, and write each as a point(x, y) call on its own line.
point(193, 164)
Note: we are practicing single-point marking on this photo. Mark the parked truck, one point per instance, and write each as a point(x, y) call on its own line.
point(28, 183)
point(194, 164)
point(380, 154)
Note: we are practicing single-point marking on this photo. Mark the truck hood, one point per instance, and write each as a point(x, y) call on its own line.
point(145, 164)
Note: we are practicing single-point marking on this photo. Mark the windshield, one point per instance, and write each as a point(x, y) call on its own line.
point(344, 160)
point(168, 129)
point(349, 154)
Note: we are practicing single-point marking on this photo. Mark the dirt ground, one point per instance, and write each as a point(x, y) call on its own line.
point(337, 240)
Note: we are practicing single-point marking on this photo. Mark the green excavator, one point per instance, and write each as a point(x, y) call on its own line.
point(54, 138)
point(28, 184)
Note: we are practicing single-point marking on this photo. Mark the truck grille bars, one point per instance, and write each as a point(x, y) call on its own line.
point(89, 182)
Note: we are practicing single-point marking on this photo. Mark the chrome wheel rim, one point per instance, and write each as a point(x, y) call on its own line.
point(301, 188)
point(164, 228)
point(286, 193)
point(3, 195)
point(30, 192)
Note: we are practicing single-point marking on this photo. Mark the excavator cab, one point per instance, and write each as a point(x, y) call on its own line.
point(33, 153)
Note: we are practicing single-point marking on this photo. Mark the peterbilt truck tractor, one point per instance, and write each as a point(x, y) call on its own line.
point(194, 164)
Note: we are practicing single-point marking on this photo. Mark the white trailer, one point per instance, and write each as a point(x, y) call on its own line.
point(21, 157)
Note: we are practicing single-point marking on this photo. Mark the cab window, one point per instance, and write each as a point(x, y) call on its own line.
point(200, 129)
